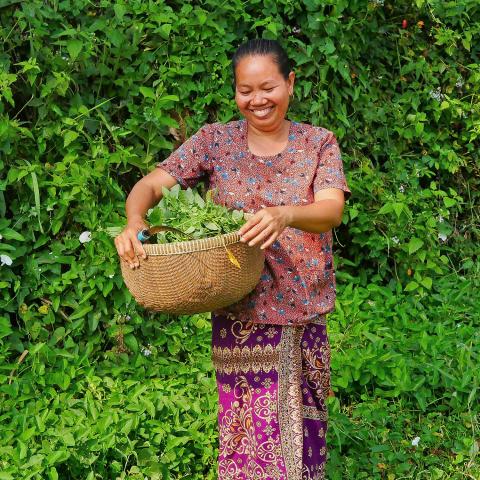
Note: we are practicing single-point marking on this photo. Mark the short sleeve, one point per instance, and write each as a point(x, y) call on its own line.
point(329, 173)
point(190, 161)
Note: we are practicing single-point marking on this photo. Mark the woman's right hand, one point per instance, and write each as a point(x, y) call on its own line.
point(129, 247)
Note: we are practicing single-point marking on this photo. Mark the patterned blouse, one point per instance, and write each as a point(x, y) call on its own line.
point(298, 280)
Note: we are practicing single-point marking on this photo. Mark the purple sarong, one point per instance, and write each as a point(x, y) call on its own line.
point(272, 384)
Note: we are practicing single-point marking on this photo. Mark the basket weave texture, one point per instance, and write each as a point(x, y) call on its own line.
point(194, 276)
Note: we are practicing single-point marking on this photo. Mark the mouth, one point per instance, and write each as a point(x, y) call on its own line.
point(261, 112)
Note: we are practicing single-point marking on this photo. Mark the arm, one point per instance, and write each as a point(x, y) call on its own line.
point(146, 193)
point(321, 216)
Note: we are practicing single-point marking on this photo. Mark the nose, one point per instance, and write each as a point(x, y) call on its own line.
point(258, 99)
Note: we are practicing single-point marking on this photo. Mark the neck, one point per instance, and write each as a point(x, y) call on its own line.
point(277, 131)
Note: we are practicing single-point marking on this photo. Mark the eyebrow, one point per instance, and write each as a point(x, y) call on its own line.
point(262, 84)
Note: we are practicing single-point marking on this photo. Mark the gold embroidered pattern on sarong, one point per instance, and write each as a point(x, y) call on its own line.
point(290, 408)
point(314, 413)
point(245, 359)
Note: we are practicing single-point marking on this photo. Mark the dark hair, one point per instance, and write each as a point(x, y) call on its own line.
point(261, 46)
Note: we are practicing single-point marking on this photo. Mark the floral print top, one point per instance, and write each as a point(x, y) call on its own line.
point(298, 280)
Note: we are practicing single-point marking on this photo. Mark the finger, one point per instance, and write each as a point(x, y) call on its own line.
point(120, 248)
point(270, 241)
point(255, 230)
point(138, 246)
point(129, 253)
point(250, 223)
point(261, 236)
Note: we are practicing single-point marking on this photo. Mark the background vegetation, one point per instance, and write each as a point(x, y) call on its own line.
point(92, 94)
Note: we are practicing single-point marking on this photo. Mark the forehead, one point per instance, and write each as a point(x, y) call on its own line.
point(257, 68)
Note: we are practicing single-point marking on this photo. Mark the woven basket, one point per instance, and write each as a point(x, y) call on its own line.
point(194, 276)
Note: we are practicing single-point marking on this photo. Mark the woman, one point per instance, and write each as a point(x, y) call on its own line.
point(270, 350)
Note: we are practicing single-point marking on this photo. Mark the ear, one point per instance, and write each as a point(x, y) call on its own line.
point(291, 81)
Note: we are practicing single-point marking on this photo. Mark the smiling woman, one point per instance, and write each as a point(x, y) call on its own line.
point(270, 350)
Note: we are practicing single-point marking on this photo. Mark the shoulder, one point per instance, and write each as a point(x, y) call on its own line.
point(229, 128)
point(220, 133)
point(316, 133)
point(319, 136)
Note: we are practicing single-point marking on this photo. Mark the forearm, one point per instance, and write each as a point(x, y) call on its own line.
point(146, 193)
point(141, 198)
point(317, 217)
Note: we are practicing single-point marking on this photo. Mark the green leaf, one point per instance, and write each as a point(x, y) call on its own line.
point(272, 27)
point(53, 474)
point(68, 137)
point(131, 342)
point(147, 92)
point(414, 244)
point(398, 208)
point(427, 282)
point(119, 10)
point(164, 30)
point(79, 313)
point(449, 202)
point(413, 285)
point(387, 208)
point(9, 234)
point(36, 194)
point(211, 226)
point(74, 47)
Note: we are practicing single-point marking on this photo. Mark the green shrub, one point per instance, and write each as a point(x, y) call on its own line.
point(93, 94)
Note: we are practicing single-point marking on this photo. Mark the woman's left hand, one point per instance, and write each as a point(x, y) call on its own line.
point(265, 226)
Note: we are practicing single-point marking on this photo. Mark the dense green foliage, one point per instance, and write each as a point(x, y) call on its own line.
point(93, 94)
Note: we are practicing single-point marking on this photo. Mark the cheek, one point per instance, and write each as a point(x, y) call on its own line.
point(282, 100)
point(241, 102)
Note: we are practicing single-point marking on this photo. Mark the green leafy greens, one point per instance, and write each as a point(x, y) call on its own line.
point(197, 217)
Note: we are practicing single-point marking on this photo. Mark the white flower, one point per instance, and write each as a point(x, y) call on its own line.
point(442, 237)
point(401, 188)
point(5, 260)
point(415, 441)
point(296, 30)
point(85, 237)
point(437, 94)
point(146, 351)
point(440, 219)
point(395, 239)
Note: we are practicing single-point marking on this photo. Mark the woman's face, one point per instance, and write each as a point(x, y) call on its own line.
point(261, 92)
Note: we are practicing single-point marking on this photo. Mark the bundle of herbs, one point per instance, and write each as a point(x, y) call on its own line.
point(191, 215)
point(196, 217)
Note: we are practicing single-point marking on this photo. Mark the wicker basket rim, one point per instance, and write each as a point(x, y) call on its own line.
point(191, 246)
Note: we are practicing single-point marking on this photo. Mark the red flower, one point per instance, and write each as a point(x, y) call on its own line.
point(404, 23)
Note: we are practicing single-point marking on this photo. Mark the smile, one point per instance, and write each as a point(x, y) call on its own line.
point(263, 112)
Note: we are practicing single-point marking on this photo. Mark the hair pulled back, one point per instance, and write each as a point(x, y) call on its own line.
point(264, 47)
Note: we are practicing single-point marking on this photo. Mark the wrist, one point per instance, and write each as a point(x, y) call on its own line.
point(289, 215)
point(136, 221)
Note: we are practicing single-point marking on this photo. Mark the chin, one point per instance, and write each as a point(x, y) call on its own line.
point(269, 120)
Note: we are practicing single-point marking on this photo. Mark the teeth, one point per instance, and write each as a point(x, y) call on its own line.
point(262, 113)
